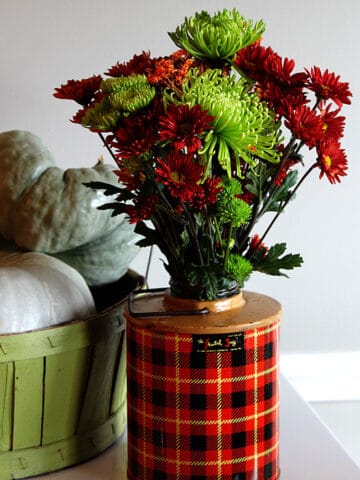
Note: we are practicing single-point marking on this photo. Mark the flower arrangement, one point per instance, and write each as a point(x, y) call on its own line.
point(207, 141)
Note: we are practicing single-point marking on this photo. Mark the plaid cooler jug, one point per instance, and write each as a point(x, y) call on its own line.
point(203, 396)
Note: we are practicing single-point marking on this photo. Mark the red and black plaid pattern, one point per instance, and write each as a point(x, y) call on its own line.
point(203, 407)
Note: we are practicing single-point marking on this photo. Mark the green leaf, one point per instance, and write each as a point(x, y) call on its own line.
point(206, 278)
point(274, 261)
point(107, 187)
point(281, 194)
point(116, 207)
point(109, 190)
point(258, 180)
point(151, 237)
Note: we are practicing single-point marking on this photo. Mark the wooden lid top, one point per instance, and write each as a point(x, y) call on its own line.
point(234, 314)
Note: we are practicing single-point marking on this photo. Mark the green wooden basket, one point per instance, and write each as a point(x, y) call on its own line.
point(62, 392)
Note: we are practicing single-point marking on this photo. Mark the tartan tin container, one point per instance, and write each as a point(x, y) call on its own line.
point(203, 396)
point(63, 390)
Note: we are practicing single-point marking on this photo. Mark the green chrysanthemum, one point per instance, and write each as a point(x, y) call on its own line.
point(243, 125)
point(230, 208)
point(123, 95)
point(238, 268)
point(112, 84)
point(219, 36)
point(128, 94)
point(101, 117)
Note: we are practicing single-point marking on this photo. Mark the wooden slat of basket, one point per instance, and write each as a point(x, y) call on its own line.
point(28, 403)
point(41, 343)
point(65, 376)
point(96, 407)
point(34, 461)
point(60, 338)
point(6, 405)
point(119, 395)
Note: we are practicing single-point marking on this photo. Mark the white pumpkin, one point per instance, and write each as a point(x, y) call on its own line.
point(38, 291)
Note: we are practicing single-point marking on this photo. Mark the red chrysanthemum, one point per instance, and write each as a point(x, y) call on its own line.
point(305, 125)
point(129, 141)
point(247, 197)
point(282, 98)
point(142, 209)
point(280, 71)
point(130, 180)
point(183, 126)
point(139, 64)
point(138, 132)
point(282, 89)
point(256, 245)
point(332, 161)
point(275, 81)
point(283, 171)
point(332, 124)
point(180, 174)
point(207, 193)
point(327, 85)
point(81, 91)
point(252, 60)
point(77, 118)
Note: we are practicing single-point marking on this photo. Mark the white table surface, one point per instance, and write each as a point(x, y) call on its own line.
point(308, 450)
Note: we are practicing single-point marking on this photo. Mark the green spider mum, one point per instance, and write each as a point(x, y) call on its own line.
point(244, 128)
point(100, 117)
point(230, 208)
point(114, 84)
point(238, 268)
point(123, 95)
point(216, 37)
point(128, 94)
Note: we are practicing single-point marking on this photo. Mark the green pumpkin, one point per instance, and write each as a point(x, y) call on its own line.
point(44, 208)
point(106, 259)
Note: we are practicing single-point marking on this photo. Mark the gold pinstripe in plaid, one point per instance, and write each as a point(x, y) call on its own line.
point(203, 411)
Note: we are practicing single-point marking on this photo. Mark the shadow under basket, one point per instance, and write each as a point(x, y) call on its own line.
point(63, 388)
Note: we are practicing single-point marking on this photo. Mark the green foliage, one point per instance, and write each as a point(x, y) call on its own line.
point(273, 261)
point(282, 194)
point(209, 281)
point(238, 268)
point(107, 187)
point(270, 196)
point(230, 208)
point(205, 277)
point(150, 235)
point(258, 180)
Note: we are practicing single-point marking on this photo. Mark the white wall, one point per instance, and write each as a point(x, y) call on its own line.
point(43, 43)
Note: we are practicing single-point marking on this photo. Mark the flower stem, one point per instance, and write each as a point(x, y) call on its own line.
point(218, 233)
point(107, 146)
point(267, 194)
point(228, 243)
point(193, 233)
point(290, 196)
point(169, 247)
point(249, 227)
